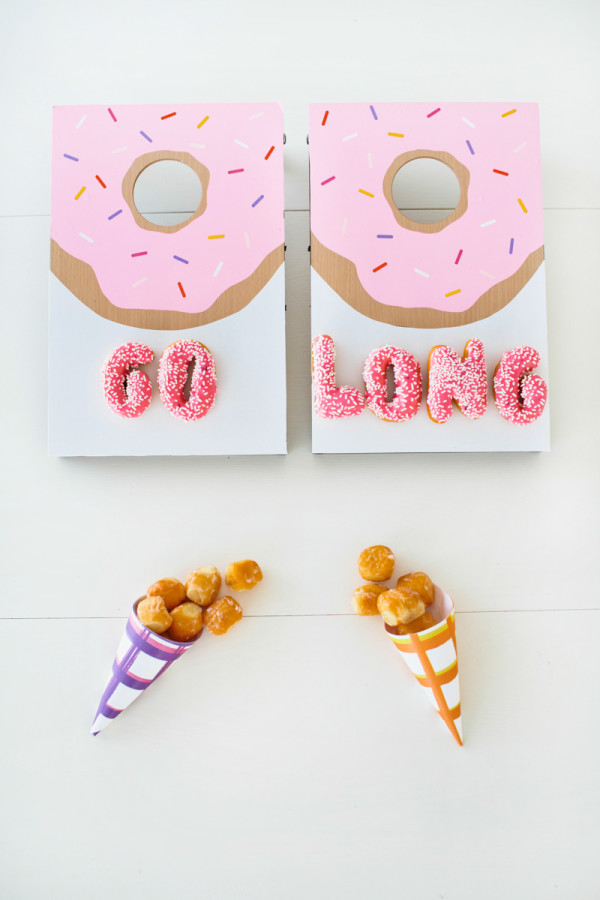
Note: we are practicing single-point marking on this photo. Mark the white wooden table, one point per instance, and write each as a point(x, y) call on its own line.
point(295, 757)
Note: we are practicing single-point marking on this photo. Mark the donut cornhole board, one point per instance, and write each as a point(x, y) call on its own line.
point(455, 308)
point(167, 338)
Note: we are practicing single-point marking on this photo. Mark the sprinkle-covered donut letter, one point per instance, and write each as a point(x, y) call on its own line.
point(173, 374)
point(127, 391)
point(331, 402)
point(452, 378)
point(520, 396)
point(407, 379)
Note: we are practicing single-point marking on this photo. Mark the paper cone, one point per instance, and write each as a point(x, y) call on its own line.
point(142, 657)
point(431, 657)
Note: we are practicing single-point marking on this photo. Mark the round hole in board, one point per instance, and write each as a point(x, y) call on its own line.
point(167, 187)
point(426, 190)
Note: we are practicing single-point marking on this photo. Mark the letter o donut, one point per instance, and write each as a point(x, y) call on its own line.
point(173, 374)
point(407, 380)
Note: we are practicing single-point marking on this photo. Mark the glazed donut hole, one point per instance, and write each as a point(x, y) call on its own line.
point(202, 585)
point(400, 606)
point(376, 563)
point(364, 599)
point(153, 614)
point(419, 582)
point(243, 575)
point(187, 621)
point(222, 615)
point(170, 589)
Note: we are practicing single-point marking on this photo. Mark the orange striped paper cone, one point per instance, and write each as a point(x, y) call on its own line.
point(431, 657)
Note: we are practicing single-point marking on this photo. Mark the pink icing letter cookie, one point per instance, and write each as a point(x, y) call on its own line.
point(407, 380)
point(452, 378)
point(173, 374)
point(331, 402)
point(127, 391)
point(520, 396)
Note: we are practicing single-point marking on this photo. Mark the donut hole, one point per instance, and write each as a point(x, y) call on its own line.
point(426, 190)
point(167, 192)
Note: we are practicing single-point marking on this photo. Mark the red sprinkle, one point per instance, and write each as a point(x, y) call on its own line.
point(269, 153)
point(180, 286)
point(377, 268)
point(325, 117)
point(100, 180)
point(499, 172)
point(168, 116)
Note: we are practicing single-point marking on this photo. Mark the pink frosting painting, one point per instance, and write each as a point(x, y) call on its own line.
point(134, 272)
point(453, 272)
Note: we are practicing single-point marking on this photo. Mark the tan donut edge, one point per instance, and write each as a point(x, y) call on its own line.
point(341, 275)
point(81, 280)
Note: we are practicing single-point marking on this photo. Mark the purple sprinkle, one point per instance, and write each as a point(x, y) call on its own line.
point(470, 148)
point(67, 156)
point(144, 135)
point(262, 197)
point(374, 113)
point(118, 212)
point(385, 235)
point(181, 259)
point(512, 244)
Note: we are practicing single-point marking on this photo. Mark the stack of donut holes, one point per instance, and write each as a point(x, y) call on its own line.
point(179, 611)
point(403, 607)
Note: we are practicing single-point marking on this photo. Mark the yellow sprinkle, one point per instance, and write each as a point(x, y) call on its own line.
point(213, 237)
point(205, 119)
point(509, 113)
point(360, 191)
point(522, 205)
point(394, 134)
point(449, 294)
point(77, 196)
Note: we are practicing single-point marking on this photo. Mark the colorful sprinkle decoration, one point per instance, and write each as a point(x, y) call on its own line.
point(327, 180)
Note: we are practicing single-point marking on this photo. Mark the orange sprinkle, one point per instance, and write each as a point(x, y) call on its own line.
point(100, 180)
point(450, 293)
point(180, 286)
point(77, 196)
point(168, 116)
point(499, 172)
point(325, 117)
point(522, 205)
point(377, 268)
point(270, 151)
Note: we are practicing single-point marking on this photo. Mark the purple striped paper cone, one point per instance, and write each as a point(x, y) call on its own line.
point(142, 657)
point(431, 657)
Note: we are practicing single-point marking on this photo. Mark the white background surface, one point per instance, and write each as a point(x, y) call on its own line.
point(295, 757)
